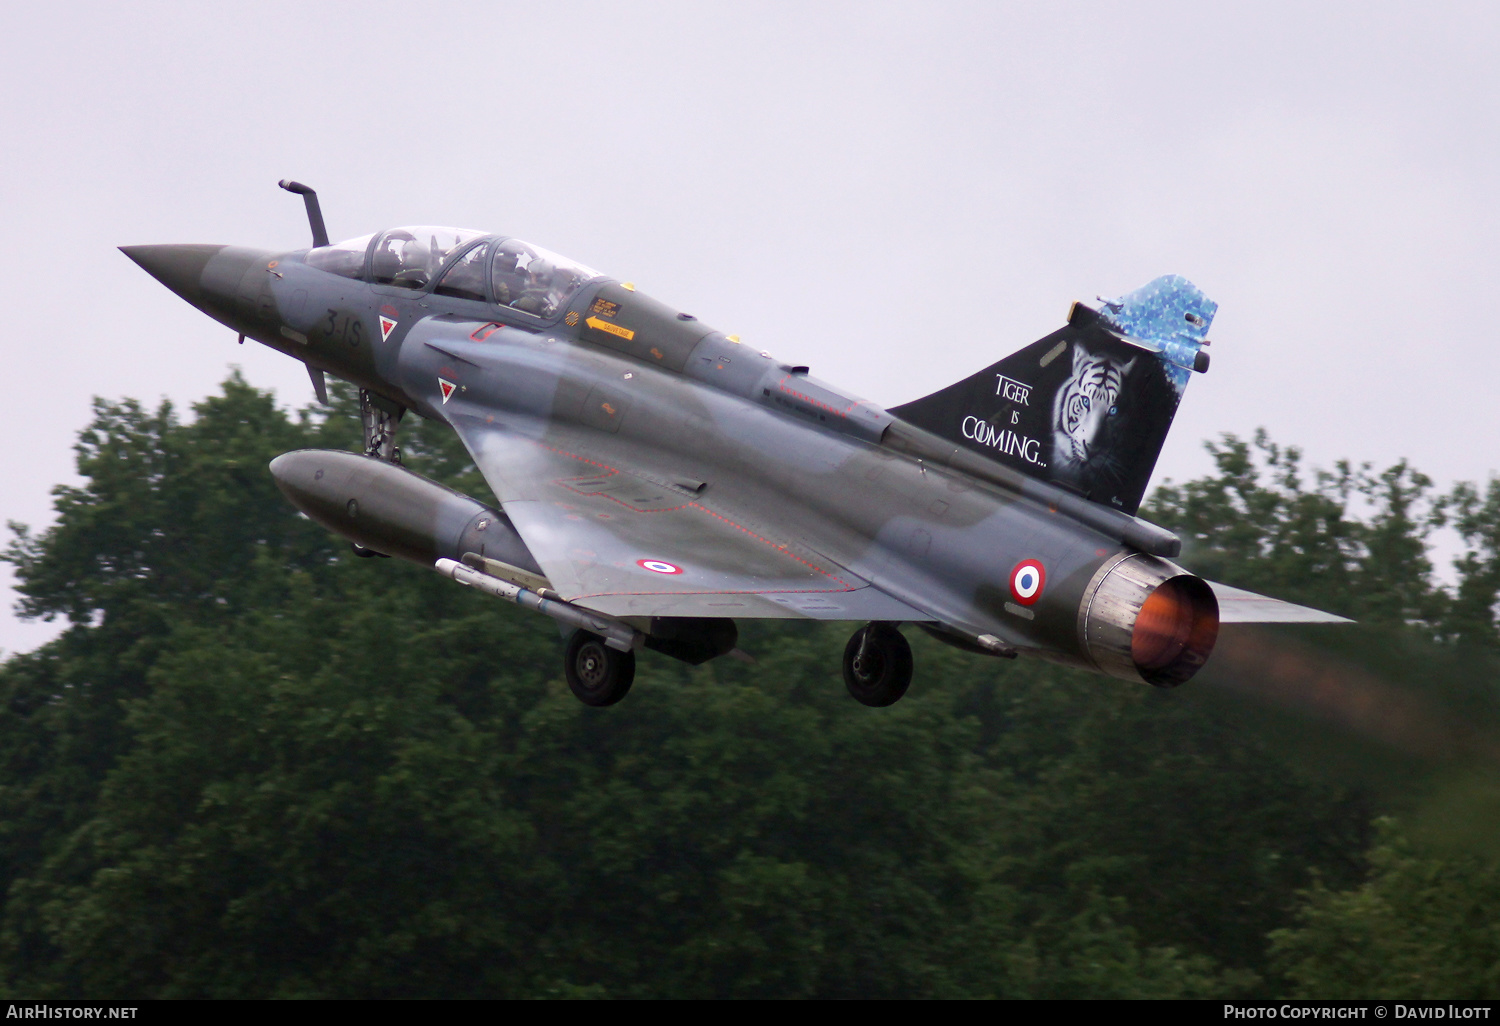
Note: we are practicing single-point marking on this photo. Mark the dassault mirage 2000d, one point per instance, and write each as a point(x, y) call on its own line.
point(658, 479)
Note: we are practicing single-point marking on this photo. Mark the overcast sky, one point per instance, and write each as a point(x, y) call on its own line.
point(895, 194)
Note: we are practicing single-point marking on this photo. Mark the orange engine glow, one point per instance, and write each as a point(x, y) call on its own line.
point(1175, 631)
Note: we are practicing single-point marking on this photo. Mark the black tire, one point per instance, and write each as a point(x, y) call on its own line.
point(882, 674)
point(599, 675)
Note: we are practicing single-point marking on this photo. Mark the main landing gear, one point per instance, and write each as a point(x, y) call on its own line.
point(877, 667)
point(599, 675)
point(877, 664)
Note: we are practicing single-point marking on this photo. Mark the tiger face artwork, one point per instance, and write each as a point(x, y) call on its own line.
point(1084, 414)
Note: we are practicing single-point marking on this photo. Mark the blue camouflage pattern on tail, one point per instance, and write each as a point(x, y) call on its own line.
point(1171, 315)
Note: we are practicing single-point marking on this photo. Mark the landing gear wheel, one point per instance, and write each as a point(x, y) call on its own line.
point(877, 665)
point(599, 675)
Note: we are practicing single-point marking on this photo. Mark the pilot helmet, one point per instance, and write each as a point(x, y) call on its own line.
point(541, 271)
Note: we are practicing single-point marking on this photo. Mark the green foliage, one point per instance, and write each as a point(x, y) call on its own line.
point(1425, 925)
point(1477, 517)
point(257, 766)
point(1421, 924)
point(1258, 525)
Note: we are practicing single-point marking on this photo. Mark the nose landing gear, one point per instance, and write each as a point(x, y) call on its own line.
point(597, 674)
point(877, 665)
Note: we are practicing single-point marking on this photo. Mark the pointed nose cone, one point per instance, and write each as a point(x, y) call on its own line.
point(179, 268)
point(212, 278)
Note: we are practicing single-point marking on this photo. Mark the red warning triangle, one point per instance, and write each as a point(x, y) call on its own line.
point(387, 325)
point(447, 387)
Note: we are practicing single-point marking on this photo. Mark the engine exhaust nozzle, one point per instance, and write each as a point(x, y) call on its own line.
point(1145, 619)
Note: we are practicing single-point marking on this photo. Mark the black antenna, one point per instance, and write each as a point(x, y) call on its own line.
point(314, 212)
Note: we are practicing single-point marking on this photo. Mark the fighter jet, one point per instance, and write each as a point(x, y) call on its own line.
point(658, 480)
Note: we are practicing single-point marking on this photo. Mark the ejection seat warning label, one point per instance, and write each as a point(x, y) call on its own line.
point(604, 308)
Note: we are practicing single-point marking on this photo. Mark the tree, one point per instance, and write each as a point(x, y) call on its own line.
point(1426, 925)
point(1477, 517)
point(1259, 524)
point(255, 765)
point(328, 776)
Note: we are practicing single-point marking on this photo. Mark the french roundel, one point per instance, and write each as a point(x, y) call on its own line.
point(1026, 581)
point(658, 566)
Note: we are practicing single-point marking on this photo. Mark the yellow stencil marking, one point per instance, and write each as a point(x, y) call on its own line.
point(612, 329)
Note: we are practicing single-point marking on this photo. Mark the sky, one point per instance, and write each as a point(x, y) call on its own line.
point(897, 194)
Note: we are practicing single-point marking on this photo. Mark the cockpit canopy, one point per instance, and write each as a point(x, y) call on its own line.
point(411, 257)
point(465, 264)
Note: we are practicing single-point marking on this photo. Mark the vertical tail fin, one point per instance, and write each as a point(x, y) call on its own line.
point(1088, 407)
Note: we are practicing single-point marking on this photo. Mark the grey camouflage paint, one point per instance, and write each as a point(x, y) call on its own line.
point(622, 445)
